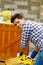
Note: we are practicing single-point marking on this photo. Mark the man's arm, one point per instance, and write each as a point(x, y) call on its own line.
point(22, 49)
point(24, 38)
point(36, 49)
point(34, 53)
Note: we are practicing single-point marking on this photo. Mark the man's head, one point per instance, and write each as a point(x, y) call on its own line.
point(18, 19)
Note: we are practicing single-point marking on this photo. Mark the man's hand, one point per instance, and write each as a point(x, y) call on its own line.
point(19, 54)
point(34, 53)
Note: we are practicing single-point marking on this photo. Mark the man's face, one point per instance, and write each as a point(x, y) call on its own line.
point(19, 22)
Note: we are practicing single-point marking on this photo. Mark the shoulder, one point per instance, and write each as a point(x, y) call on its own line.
point(27, 22)
point(26, 25)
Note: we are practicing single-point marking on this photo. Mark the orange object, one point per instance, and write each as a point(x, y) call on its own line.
point(10, 37)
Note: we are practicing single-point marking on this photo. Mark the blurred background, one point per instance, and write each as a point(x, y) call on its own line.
point(31, 9)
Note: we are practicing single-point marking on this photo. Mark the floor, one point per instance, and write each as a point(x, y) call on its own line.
point(30, 50)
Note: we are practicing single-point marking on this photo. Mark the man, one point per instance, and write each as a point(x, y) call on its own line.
point(33, 32)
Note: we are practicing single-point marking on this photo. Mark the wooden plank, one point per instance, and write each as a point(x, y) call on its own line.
point(10, 37)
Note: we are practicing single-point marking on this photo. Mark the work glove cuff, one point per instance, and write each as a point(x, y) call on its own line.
point(20, 54)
